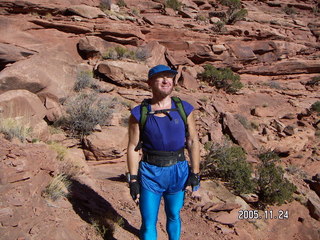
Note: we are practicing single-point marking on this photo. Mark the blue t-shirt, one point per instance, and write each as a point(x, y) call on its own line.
point(161, 133)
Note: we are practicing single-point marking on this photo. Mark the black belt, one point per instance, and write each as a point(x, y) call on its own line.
point(163, 158)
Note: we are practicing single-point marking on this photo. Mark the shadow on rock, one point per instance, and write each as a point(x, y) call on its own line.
point(98, 212)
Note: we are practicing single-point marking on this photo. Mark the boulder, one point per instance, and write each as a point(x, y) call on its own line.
point(10, 53)
point(54, 75)
point(155, 53)
point(188, 77)
point(125, 73)
point(92, 46)
point(239, 134)
point(86, 11)
point(109, 144)
point(313, 205)
point(27, 108)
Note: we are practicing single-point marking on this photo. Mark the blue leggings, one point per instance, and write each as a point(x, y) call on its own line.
point(149, 206)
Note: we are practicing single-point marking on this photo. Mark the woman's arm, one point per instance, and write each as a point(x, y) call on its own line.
point(193, 144)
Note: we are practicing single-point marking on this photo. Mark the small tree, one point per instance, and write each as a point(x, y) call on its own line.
point(235, 12)
point(174, 4)
point(221, 78)
point(273, 187)
point(229, 163)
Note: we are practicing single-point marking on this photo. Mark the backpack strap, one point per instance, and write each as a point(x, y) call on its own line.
point(182, 113)
point(144, 112)
point(143, 120)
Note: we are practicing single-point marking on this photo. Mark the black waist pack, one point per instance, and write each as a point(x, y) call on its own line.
point(163, 158)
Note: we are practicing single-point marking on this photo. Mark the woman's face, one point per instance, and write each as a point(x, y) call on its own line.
point(162, 84)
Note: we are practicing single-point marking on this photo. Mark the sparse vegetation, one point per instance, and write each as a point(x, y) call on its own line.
point(12, 128)
point(174, 4)
point(315, 81)
point(316, 107)
point(59, 149)
point(57, 188)
point(221, 78)
point(244, 121)
point(201, 18)
point(84, 79)
point(85, 111)
point(235, 12)
point(229, 163)
point(121, 3)
point(105, 4)
point(122, 53)
point(289, 10)
point(219, 26)
point(273, 187)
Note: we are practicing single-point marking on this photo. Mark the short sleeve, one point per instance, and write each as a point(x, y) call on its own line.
point(136, 112)
point(187, 107)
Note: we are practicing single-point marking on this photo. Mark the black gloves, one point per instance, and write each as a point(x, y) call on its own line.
point(193, 181)
point(134, 186)
point(134, 189)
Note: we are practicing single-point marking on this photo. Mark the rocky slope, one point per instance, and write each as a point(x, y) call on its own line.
point(47, 46)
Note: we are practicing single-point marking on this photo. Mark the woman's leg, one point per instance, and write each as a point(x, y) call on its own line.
point(173, 205)
point(149, 206)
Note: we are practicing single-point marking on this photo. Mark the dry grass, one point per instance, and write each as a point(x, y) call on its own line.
point(13, 128)
point(57, 188)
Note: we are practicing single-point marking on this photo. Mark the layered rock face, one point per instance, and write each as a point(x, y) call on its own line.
point(46, 45)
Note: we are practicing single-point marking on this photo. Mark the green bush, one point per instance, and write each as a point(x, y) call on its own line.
point(316, 107)
point(233, 4)
point(85, 111)
point(273, 188)
point(235, 12)
point(219, 26)
point(221, 78)
point(228, 163)
point(174, 4)
point(237, 16)
point(12, 128)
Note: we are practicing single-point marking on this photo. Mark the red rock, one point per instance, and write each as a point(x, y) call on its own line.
point(86, 11)
point(68, 28)
point(109, 144)
point(239, 133)
point(228, 218)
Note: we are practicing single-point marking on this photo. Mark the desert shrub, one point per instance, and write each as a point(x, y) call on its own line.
point(316, 107)
point(315, 81)
point(201, 18)
point(228, 163)
point(219, 26)
point(221, 78)
point(120, 53)
point(273, 188)
point(85, 111)
point(12, 128)
point(174, 4)
point(237, 16)
point(84, 79)
point(235, 12)
point(57, 188)
point(289, 10)
point(59, 149)
point(105, 4)
point(121, 3)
